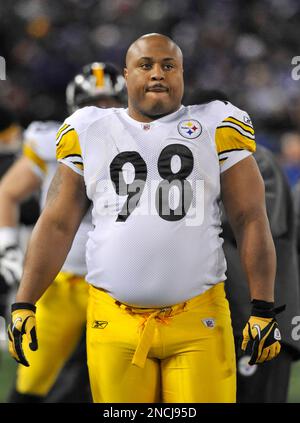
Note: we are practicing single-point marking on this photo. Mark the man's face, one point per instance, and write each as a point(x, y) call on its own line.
point(154, 77)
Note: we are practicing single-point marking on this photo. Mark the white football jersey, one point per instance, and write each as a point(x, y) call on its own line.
point(155, 189)
point(39, 147)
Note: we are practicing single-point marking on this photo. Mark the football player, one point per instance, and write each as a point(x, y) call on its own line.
point(10, 253)
point(158, 325)
point(62, 310)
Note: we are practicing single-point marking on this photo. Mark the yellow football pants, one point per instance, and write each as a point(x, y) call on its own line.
point(60, 319)
point(184, 353)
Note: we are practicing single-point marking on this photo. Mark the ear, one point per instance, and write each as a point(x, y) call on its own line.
point(125, 73)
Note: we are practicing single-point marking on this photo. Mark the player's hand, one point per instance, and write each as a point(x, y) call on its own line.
point(11, 265)
point(11, 259)
point(22, 323)
point(261, 335)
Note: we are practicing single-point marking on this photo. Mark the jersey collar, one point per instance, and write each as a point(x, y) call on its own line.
point(153, 124)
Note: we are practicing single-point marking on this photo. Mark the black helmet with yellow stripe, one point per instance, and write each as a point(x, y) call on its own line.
point(97, 81)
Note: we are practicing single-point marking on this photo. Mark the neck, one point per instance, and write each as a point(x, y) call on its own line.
point(144, 117)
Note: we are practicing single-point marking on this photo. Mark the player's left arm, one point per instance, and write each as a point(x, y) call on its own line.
point(243, 195)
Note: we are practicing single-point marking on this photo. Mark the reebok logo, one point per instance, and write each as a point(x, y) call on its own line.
point(99, 324)
point(257, 327)
point(18, 319)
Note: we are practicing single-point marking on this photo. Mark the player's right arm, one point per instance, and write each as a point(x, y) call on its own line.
point(16, 185)
point(23, 178)
point(49, 245)
point(53, 234)
point(52, 237)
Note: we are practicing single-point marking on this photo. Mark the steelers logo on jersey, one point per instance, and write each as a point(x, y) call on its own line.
point(189, 128)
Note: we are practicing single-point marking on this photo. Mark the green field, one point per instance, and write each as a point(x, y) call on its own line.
point(8, 367)
point(294, 389)
point(7, 371)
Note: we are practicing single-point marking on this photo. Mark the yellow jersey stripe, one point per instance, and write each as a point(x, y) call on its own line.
point(31, 155)
point(229, 138)
point(63, 134)
point(239, 123)
point(69, 147)
point(238, 129)
point(62, 128)
point(79, 165)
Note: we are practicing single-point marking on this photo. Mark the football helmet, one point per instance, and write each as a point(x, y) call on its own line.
point(95, 82)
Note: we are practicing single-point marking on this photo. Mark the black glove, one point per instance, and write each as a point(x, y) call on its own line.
point(261, 335)
point(22, 323)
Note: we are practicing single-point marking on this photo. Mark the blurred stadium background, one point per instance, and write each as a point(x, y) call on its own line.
point(242, 48)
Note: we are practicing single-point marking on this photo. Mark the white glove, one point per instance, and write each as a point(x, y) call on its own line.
point(11, 257)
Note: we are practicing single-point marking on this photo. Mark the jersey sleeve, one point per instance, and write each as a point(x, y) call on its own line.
point(39, 166)
point(235, 138)
point(39, 145)
point(71, 136)
point(68, 150)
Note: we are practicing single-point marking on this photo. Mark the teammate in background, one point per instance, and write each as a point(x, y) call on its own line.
point(290, 156)
point(10, 253)
point(158, 326)
point(61, 315)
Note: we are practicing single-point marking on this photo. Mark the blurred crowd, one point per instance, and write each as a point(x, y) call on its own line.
point(242, 48)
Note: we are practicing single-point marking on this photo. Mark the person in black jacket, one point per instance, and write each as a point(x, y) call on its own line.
point(273, 375)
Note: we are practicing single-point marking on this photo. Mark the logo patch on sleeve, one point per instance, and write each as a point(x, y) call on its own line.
point(247, 120)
